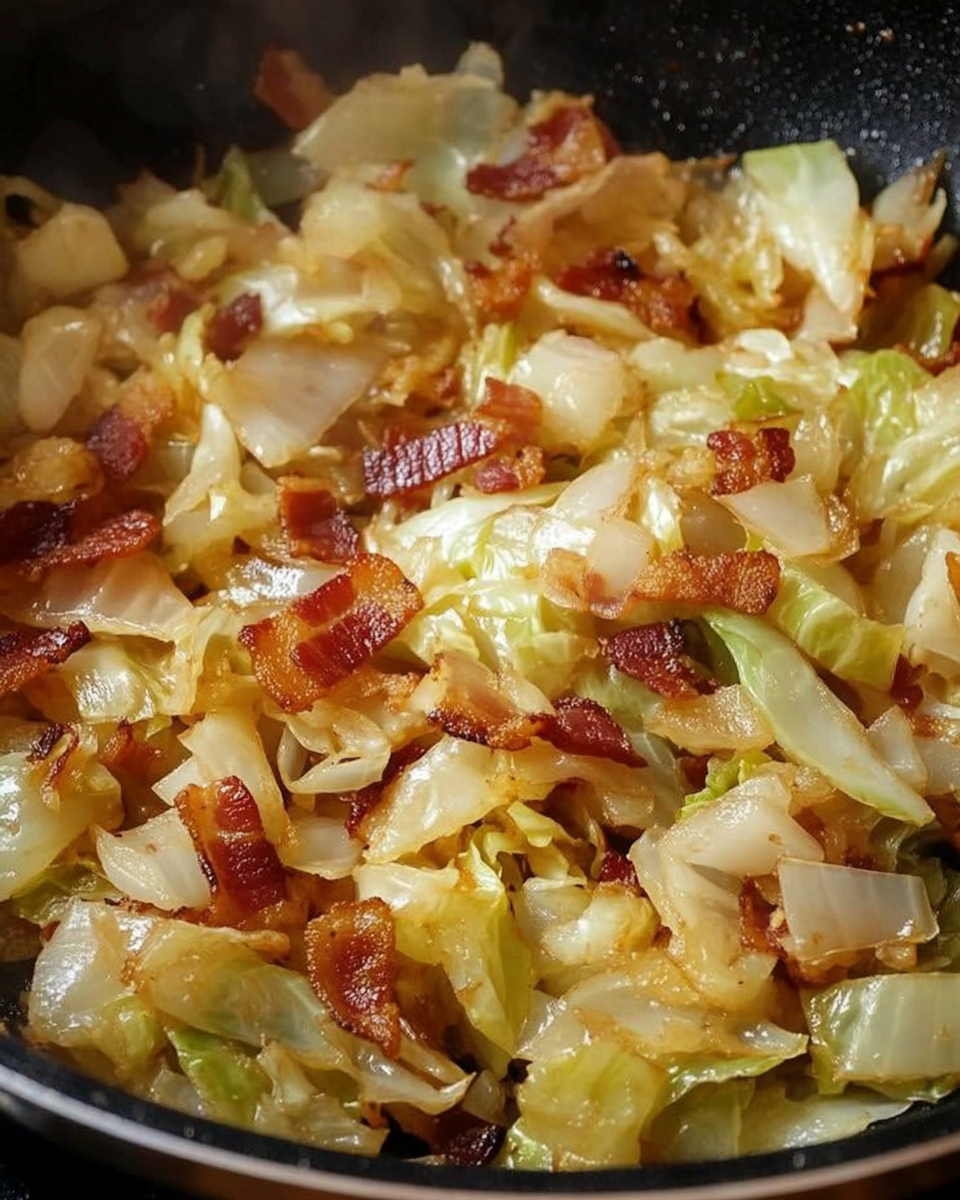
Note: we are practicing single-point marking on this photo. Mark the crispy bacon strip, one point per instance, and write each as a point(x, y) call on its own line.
point(231, 328)
point(419, 461)
point(316, 641)
point(285, 84)
point(499, 292)
point(743, 462)
point(569, 144)
point(314, 524)
point(352, 966)
point(27, 654)
point(657, 655)
point(746, 581)
point(666, 305)
point(241, 865)
point(524, 470)
point(512, 409)
point(118, 537)
point(121, 437)
point(582, 726)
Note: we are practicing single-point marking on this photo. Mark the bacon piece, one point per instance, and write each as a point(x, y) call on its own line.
point(124, 751)
point(499, 292)
point(666, 305)
point(743, 461)
point(512, 409)
point(285, 84)
point(173, 302)
point(756, 915)
point(27, 654)
point(419, 461)
point(352, 966)
point(657, 655)
point(314, 524)
point(231, 328)
point(319, 639)
point(241, 865)
point(31, 528)
point(904, 690)
point(582, 726)
point(569, 144)
point(117, 537)
point(746, 581)
point(525, 470)
point(121, 437)
point(617, 868)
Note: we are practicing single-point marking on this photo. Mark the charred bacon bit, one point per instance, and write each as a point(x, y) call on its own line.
point(314, 524)
point(316, 641)
point(392, 177)
point(172, 304)
point(475, 1146)
point(413, 464)
point(666, 305)
point(241, 865)
point(499, 292)
point(124, 751)
point(352, 966)
point(27, 654)
point(117, 537)
point(121, 437)
point(582, 726)
point(905, 690)
point(285, 84)
point(743, 462)
point(231, 328)
point(525, 470)
point(32, 528)
point(657, 655)
point(569, 144)
point(514, 410)
point(746, 581)
point(617, 868)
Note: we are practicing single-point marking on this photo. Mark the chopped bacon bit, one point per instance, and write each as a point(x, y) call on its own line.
point(118, 537)
point(171, 306)
point(513, 409)
point(285, 84)
point(316, 641)
point(475, 1146)
point(31, 528)
point(582, 726)
point(231, 328)
point(617, 868)
point(746, 581)
point(121, 437)
point(415, 463)
point(314, 524)
point(499, 292)
point(525, 470)
point(352, 966)
point(666, 305)
point(569, 144)
point(124, 751)
point(743, 461)
point(905, 690)
point(27, 654)
point(657, 655)
point(756, 914)
point(241, 865)
point(392, 177)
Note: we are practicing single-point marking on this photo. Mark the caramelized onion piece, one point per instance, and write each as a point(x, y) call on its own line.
point(316, 641)
point(743, 462)
point(314, 524)
point(29, 653)
point(242, 867)
point(352, 966)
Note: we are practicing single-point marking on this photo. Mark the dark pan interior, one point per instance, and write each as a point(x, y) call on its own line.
point(90, 90)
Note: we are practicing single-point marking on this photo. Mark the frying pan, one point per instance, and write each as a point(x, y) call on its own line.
point(91, 90)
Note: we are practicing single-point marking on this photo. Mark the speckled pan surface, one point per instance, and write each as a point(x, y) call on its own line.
point(91, 89)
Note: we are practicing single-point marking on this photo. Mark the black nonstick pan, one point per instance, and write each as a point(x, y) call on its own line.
point(90, 91)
